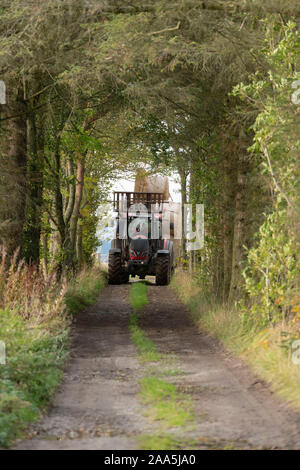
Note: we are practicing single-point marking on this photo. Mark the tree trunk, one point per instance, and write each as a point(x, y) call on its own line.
point(79, 248)
point(240, 220)
point(45, 253)
point(228, 220)
point(32, 232)
point(13, 174)
point(78, 199)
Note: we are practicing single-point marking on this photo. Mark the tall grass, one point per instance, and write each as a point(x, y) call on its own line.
point(35, 316)
point(84, 290)
point(25, 290)
point(268, 351)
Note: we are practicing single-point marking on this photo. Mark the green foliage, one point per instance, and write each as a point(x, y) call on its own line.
point(276, 126)
point(110, 88)
point(272, 270)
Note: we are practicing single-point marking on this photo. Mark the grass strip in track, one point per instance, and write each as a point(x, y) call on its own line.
point(138, 295)
point(267, 350)
point(164, 403)
point(147, 349)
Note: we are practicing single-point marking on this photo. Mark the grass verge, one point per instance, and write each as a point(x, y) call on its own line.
point(268, 351)
point(36, 351)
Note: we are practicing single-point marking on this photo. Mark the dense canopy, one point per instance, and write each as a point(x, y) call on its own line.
point(206, 90)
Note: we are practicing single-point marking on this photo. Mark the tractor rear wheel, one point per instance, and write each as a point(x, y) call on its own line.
point(163, 271)
point(125, 277)
point(114, 268)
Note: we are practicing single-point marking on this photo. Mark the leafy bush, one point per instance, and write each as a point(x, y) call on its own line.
point(272, 271)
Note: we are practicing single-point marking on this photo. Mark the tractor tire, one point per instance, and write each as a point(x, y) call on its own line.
point(114, 269)
point(163, 271)
point(125, 277)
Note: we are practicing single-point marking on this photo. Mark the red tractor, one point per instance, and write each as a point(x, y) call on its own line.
point(133, 251)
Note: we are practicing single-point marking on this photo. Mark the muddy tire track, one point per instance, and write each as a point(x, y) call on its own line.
point(96, 406)
point(233, 407)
